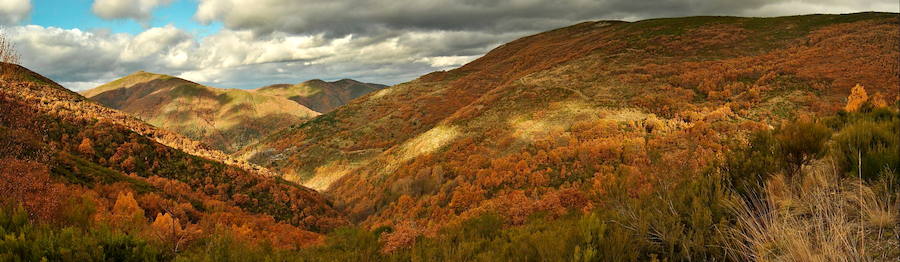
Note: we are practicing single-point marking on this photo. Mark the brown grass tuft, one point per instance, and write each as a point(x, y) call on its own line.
point(821, 217)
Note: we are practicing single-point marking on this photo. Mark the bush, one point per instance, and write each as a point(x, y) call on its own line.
point(749, 166)
point(801, 142)
point(865, 147)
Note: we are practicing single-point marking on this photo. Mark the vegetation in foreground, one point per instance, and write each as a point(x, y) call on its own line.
point(753, 205)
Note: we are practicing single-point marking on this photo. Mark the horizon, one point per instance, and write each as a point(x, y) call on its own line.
point(238, 45)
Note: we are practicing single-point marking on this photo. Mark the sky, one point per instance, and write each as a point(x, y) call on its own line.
point(252, 43)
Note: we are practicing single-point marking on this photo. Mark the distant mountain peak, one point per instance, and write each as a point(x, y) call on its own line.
point(347, 80)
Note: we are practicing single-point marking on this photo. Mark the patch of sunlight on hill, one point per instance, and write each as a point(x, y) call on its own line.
point(382, 93)
point(627, 114)
point(559, 117)
point(428, 142)
point(301, 90)
point(329, 173)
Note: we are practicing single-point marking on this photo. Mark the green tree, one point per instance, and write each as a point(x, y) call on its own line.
point(800, 142)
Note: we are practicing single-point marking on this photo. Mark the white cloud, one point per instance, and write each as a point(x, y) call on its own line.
point(72, 55)
point(240, 59)
point(447, 61)
point(155, 40)
point(81, 86)
point(14, 11)
point(139, 10)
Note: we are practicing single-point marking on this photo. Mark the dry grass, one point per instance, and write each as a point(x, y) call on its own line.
point(821, 217)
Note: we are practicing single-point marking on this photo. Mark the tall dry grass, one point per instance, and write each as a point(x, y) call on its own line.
point(818, 217)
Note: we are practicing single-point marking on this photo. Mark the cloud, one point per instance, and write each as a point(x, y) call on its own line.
point(75, 56)
point(165, 41)
point(239, 59)
point(445, 61)
point(342, 17)
point(139, 10)
point(14, 11)
point(782, 8)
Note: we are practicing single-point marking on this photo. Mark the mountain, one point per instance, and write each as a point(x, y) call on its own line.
point(580, 117)
point(677, 139)
point(322, 96)
point(70, 160)
point(226, 119)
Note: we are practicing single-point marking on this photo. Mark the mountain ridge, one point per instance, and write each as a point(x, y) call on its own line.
point(226, 119)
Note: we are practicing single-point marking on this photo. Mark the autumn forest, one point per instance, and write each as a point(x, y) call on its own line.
point(700, 138)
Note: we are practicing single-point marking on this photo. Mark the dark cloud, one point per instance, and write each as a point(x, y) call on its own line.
point(340, 17)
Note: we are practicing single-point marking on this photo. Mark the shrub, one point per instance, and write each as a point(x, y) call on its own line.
point(801, 142)
point(864, 148)
point(747, 167)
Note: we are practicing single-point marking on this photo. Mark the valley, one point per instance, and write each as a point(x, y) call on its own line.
point(691, 138)
point(225, 119)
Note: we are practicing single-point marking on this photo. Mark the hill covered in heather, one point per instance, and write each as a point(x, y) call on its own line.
point(581, 117)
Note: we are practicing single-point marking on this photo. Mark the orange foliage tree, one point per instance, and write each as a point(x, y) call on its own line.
point(169, 231)
point(86, 147)
point(857, 98)
point(126, 215)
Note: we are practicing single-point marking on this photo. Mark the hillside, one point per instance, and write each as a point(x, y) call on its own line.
point(226, 119)
point(322, 96)
point(558, 121)
point(71, 162)
point(674, 139)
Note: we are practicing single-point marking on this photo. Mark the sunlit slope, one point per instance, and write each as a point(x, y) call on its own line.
point(545, 119)
point(226, 119)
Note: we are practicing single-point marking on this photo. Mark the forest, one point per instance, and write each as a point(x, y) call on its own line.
point(697, 138)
